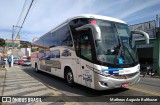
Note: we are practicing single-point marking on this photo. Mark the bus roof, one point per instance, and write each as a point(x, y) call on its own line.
point(85, 16)
point(97, 17)
point(89, 16)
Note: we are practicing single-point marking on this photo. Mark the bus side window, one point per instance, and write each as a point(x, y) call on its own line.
point(85, 45)
point(86, 51)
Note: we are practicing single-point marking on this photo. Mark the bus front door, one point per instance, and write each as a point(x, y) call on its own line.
point(86, 58)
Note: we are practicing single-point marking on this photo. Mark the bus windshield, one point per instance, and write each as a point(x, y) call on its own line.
point(116, 46)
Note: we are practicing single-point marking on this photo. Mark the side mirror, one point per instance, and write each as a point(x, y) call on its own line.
point(142, 33)
point(95, 30)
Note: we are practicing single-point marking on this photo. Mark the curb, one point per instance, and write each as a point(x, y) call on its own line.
point(148, 76)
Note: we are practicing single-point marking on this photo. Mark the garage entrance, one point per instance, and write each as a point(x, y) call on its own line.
point(145, 55)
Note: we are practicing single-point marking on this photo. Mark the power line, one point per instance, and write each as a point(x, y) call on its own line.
point(20, 17)
point(21, 12)
point(34, 5)
point(25, 17)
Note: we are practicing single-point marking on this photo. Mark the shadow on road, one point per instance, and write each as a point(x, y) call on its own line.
point(60, 84)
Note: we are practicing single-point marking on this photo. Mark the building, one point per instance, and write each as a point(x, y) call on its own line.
point(16, 43)
point(148, 53)
point(20, 48)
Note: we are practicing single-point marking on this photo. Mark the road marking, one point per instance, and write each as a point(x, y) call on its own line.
point(53, 90)
point(144, 91)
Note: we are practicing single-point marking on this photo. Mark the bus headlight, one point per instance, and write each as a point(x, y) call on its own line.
point(105, 73)
point(102, 73)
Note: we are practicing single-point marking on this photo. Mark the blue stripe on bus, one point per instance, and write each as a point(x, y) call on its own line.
point(112, 69)
point(112, 72)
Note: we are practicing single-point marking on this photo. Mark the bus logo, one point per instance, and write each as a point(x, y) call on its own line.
point(66, 53)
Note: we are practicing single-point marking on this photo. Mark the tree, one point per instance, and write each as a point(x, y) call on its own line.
point(2, 42)
point(25, 44)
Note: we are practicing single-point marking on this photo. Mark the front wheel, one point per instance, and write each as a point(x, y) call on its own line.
point(69, 78)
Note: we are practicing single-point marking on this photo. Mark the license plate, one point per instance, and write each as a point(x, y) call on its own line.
point(124, 85)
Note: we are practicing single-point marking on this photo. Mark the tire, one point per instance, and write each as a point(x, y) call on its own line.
point(36, 68)
point(69, 78)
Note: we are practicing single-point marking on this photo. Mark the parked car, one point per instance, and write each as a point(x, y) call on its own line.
point(26, 63)
point(15, 61)
point(24, 58)
point(15, 58)
point(20, 61)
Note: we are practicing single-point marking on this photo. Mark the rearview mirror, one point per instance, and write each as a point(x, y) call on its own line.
point(95, 30)
point(142, 33)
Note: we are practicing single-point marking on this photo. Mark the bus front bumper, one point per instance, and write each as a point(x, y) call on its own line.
point(105, 83)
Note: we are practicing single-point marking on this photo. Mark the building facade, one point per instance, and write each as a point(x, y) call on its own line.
point(148, 54)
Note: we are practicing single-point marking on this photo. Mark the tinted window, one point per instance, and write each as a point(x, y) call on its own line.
point(85, 44)
point(78, 22)
point(66, 37)
point(74, 24)
point(61, 37)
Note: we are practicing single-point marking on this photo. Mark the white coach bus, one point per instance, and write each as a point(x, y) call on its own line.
point(95, 51)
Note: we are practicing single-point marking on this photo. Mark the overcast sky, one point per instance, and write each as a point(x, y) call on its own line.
point(46, 14)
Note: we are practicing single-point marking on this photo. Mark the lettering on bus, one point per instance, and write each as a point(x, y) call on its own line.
point(87, 77)
point(55, 53)
point(66, 53)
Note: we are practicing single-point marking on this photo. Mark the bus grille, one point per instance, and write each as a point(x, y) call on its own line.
point(124, 76)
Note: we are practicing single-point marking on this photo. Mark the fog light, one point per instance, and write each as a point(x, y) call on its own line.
point(103, 83)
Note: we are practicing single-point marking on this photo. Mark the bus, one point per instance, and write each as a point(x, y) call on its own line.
point(95, 51)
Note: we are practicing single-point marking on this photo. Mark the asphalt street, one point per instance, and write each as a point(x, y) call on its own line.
point(147, 87)
point(24, 81)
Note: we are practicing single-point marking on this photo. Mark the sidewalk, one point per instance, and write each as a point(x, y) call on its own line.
point(149, 76)
point(15, 82)
point(2, 78)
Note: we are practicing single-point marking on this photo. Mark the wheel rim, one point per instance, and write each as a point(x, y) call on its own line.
point(69, 77)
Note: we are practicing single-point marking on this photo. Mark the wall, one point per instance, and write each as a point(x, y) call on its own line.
point(156, 49)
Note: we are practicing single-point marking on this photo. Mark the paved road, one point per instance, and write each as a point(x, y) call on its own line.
point(147, 87)
point(15, 82)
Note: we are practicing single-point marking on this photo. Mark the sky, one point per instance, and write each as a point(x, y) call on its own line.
point(44, 15)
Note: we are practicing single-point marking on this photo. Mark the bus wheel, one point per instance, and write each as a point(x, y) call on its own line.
point(69, 78)
point(36, 68)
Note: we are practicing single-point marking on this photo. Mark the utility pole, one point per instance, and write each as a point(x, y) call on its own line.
point(13, 41)
point(157, 21)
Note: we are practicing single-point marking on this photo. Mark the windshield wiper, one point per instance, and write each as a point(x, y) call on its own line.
point(129, 53)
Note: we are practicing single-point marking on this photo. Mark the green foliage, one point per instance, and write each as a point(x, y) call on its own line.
point(25, 45)
point(2, 42)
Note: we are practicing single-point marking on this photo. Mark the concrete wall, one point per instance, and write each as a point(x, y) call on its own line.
point(26, 51)
point(20, 52)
